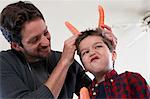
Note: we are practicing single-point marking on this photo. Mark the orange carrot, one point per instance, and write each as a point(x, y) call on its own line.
point(101, 16)
point(84, 93)
point(72, 29)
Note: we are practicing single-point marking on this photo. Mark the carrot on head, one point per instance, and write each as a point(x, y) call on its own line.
point(101, 16)
point(84, 93)
point(72, 29)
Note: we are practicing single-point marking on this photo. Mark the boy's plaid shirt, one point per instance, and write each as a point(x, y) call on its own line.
point(126, 85)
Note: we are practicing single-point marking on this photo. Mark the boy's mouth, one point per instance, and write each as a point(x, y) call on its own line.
point(94, 58)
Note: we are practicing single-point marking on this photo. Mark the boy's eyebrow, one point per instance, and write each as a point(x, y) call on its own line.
point(100, 42)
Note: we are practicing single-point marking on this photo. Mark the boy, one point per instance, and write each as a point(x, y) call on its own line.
point(98, 56)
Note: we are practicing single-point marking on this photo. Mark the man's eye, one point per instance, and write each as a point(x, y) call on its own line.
point(34, 40)
point(45, 33)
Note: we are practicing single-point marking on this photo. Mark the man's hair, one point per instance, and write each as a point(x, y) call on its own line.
point(14, 16)
point(97, 32)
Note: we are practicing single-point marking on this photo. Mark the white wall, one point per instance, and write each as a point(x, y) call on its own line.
point(123, 16)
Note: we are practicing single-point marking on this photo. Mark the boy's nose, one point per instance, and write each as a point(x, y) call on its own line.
point(92, 52)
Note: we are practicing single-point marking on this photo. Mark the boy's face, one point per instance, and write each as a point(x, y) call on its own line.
point(35, 40)
point(95, 55)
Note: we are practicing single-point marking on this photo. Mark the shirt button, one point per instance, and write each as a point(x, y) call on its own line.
point(106, 86)
point(96, 85)
point(92, 89)
point(94, 93)
point(111, 80)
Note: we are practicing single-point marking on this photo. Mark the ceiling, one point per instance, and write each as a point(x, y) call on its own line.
point(125, 11)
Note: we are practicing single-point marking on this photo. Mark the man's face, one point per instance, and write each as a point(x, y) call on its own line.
point(95, 55)
point(35, 40)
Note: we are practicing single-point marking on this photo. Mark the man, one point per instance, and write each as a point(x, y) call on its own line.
point(30, 69)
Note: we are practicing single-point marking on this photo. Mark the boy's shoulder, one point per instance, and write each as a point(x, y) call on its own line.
point(132, 76)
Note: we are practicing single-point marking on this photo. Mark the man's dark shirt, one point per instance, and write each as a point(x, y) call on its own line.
point(20, 79)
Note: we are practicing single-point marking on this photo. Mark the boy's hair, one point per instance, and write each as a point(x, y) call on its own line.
point(97, 32)
point(14, 16)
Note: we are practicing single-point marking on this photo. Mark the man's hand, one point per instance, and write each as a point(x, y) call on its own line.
point(109, 35)
point(69, 50)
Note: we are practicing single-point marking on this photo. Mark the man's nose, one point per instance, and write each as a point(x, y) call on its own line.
point(45, 41)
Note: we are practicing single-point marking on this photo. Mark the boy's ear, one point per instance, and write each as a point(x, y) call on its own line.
point(114, 55)
point(16, 46)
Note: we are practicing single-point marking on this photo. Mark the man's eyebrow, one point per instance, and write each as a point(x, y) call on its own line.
point(45, 30)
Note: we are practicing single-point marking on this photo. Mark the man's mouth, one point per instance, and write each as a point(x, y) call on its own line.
point(45, 49)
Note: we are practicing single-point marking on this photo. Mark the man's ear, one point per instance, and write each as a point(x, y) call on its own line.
point(114, 55)
point(16, 46)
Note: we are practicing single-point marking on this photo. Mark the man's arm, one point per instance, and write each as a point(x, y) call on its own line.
point(16, 80)
point(57, 77)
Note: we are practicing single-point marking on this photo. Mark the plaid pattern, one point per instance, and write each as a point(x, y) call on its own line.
point(126, 85)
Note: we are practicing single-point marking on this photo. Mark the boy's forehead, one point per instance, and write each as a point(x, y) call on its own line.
point(92, 39)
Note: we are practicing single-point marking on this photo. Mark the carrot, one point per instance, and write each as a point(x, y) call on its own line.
point(101, 16)
point(72, 29)
point(84, 93)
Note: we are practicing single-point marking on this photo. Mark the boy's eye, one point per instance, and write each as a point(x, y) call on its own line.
point(98, 46)
point(84, 53)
